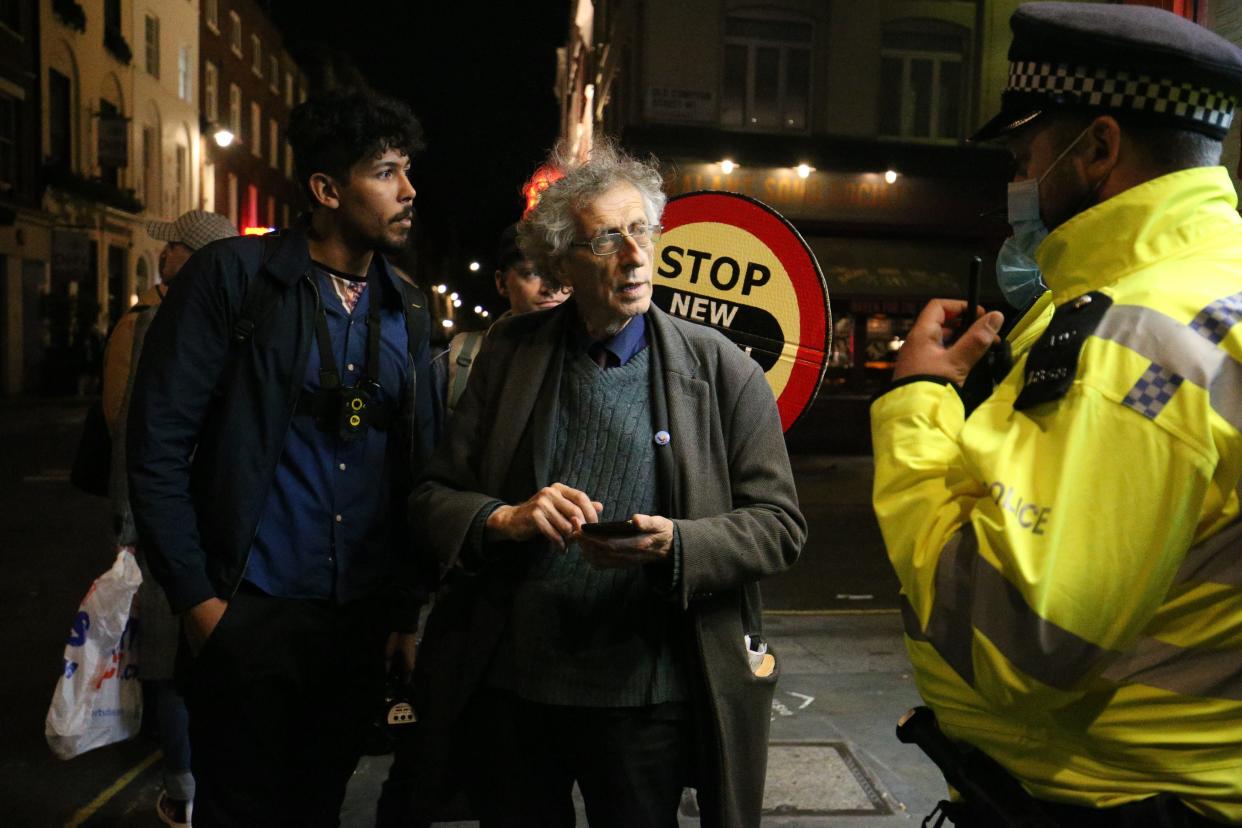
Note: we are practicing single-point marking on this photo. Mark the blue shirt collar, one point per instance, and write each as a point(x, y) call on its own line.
point(623, 345)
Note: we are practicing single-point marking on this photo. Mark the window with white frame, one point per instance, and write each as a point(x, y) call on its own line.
point(256, 55)
point(184, 89)
point(235, 110)
point(923, 79)
point(153, 45)
point(211, 91)
point(273, 142)
point(211, 14)
point(273, 73)
point(235, 33)
point(767, 72)
point(256, 130)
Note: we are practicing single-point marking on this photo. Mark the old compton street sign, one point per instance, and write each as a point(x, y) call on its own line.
point(734, 264)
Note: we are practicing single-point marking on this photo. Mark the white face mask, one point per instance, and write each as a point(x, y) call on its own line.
point(1017, 273)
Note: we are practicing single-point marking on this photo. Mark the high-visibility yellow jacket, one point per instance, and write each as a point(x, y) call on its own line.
point(1071, 573)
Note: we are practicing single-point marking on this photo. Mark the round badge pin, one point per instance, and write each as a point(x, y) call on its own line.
point(662, 438)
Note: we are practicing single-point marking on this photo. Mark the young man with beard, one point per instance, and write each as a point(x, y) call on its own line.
point(280, 409)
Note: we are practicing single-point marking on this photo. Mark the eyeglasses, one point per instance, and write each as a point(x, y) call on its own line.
point(605, 244)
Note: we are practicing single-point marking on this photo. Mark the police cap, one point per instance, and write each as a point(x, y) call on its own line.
point(1135, 60)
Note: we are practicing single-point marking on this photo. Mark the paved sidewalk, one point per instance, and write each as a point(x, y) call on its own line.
point(834, 760)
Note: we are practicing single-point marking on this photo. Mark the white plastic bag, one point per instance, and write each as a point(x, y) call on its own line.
point(98, 699)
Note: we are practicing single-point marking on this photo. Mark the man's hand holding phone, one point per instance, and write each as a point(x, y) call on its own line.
point(641, 539)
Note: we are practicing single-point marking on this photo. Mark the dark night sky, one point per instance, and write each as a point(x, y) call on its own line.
point(479, 76)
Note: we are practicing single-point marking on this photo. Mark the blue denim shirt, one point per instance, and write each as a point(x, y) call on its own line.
point(324, 528)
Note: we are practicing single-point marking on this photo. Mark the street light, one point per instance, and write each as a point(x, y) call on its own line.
point(441, 289)
point(454, 296)
point(890, 176)
point(477, 308)
point(727, 166)
point(223, 137)
point(474, 267)
point(804, 170)
point(448, 323)
point(457, 303)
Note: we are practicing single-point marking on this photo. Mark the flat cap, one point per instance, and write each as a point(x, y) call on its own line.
point(194, 229)
point(1102, 57)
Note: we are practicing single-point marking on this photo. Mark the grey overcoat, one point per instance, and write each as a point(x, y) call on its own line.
point(724, 478)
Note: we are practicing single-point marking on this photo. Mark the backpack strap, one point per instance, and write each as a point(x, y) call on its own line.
point(465, 358)
point(261, 296)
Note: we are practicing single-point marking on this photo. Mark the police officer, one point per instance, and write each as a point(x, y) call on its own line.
point(1069, 553)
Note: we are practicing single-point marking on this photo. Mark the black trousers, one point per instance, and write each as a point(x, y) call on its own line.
point(629, 763)
point(280, 698)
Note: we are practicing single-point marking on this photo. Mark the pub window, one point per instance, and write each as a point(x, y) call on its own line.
point(767, 73)
point(923, 69)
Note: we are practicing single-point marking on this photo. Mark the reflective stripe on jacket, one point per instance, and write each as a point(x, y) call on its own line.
point(1072, 572)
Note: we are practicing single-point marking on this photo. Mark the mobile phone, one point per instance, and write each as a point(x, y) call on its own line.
point(611, 528)
point(972, 296)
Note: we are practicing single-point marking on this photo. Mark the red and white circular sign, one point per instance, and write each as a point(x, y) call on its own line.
point(735, 264)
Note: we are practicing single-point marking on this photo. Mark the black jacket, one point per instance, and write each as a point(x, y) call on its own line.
point(209, 416)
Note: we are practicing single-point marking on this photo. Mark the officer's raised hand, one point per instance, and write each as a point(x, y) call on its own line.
point(925, 352)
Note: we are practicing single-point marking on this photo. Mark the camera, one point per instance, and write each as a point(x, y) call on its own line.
point(355, 411)
point(393, 720)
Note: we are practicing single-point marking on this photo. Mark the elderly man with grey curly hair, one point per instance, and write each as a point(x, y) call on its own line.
point(614, 485)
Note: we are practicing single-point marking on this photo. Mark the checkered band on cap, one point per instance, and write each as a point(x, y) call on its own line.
point(1121, 89)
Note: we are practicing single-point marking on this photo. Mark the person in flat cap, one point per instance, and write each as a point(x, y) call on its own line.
point(159, 631)
point(1068, 552)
